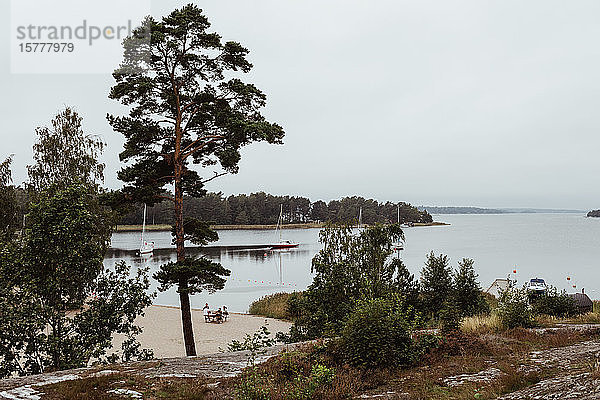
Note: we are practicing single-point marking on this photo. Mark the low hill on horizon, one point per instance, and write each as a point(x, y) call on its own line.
point(480, 210)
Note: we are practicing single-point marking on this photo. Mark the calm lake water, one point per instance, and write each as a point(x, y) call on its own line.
point(549, 246)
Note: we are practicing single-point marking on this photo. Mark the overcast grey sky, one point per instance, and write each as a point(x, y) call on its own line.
point(485, 103)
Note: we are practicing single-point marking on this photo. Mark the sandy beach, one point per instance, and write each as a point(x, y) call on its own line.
point(162, 331)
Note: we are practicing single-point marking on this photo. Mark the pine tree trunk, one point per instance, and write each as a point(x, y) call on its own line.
point(186, 318)
point(184, 297)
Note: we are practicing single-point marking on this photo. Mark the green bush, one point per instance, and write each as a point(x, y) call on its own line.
point(514, 310)
point(450, 317)
point(305, 388)
point(275, 305)
point(377, 334)
point(554, 303)
point(252, 386)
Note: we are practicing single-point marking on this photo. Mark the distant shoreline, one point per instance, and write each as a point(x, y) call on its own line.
point(310, 225)
point(451, 210)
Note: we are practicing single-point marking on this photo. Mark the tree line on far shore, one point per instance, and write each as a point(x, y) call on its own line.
point(263, 208)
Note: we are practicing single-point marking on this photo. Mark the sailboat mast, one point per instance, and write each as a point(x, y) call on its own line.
point(280, 221)
point(144, 224)
point(360, 218)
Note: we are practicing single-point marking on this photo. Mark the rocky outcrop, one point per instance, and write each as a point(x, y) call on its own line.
point(220, 365)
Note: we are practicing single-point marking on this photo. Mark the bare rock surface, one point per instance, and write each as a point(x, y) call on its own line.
point(487, 375)
point(572, 386)
point(211, 366)
point(577, 373)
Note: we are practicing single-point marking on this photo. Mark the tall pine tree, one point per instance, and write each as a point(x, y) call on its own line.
point(436, 283)
point(187, 108)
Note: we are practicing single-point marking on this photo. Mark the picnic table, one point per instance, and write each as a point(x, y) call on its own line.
point(213, 316)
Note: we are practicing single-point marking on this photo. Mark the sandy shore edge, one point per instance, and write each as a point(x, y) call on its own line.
point(162, 331)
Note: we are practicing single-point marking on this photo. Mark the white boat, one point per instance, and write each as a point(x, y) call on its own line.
point(536, 286)
point(399, 244)
point(283, 243)
point(145, 247)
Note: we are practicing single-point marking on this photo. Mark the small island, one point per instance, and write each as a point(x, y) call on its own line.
point(594, 214)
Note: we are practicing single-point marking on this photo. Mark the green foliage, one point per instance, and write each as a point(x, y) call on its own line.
point(5, 172)
point(298, 374)
point(187, 108)
point(65, 238)
point(377, 334)
point(554, 303)
point(37, 337)
point(199, 274)
point(58, 307)
point(64, 155)
point(304, 388)
point(187, 105)
point(406, 285)
point(252, 386)
point(9, 208)
point(423, 343)
point(467, 292)
point(436, 283)
point(348, 268)
point(513, 308)
point(263, 209)
point(450, 316)
point(255, 344)
point(198, 232)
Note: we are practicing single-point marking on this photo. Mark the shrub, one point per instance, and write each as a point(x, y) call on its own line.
point(304, 388)
point(275, 305)
point(348, 268)
point(256, 345)
point(423, 344)
point(252, 386)
point(450, 317)
point(514, 310)
point(377, 334)
point(554, 303)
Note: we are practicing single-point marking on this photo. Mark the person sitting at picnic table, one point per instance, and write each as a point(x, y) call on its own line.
point(225, 313)
point(219, 316)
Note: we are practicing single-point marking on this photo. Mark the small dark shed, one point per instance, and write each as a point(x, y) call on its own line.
point(584, 304)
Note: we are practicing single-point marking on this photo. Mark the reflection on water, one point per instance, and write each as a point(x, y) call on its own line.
point(550, 246)
point(255, 269)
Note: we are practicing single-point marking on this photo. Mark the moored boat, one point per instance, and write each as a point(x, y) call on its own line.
point(398, 244)
point(145, 248)
point(283, 243)
point(536, 286)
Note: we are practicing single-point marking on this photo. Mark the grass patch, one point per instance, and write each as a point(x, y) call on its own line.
point(272, 306)
point(549, 321)
point(589, 318)
point(99, 388)
point(481, 324)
